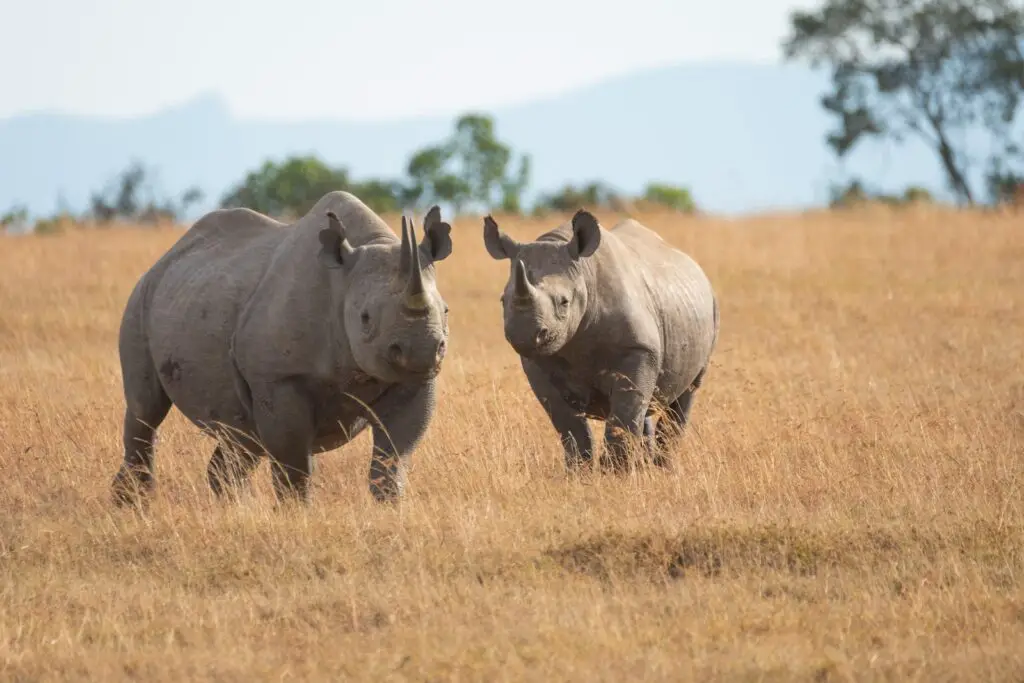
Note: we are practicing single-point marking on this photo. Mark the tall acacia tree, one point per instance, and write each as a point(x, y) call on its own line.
point(935, 69)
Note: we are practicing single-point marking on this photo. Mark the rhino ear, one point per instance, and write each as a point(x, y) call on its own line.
point(499, 245)
point(586, 235)
point(437, 235)
point(335, 251)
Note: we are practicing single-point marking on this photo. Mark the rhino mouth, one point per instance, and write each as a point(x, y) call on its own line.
point(541, 343)
point(536, 349)
point(429, 373)
point(403, 363)
point(396, 375)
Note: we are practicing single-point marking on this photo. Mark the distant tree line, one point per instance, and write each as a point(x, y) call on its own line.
point(470, 170)
point(129, 197)
point(939, 71)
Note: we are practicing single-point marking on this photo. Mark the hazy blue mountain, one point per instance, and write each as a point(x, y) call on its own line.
point(743, 137)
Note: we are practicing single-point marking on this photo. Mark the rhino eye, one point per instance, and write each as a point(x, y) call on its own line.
point(364, 317)
point(563, 301)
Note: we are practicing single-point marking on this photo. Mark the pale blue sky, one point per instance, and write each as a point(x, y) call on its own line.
point(372, 59)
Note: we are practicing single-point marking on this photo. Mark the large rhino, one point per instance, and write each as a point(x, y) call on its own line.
point(286, 340)
point(614, 325)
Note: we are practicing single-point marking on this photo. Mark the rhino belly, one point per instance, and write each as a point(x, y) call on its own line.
point(203, 390)
point(195, 369)
point(342, 412)
point(341, 432)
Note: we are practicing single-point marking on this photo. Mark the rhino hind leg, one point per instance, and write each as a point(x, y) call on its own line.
point(136, 478)
point(284, 422)
point(673, 424)
point(651, 441)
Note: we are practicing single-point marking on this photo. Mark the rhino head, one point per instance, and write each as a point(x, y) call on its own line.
point(546, 294)
point(395, 319)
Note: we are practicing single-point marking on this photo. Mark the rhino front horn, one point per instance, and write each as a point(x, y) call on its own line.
point(521, 286)
point(406, 259)
point(415, 293)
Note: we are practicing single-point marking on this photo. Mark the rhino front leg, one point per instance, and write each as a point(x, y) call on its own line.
point(399, 421)
point(284, 419)
point(632, 386)
point(572, 427)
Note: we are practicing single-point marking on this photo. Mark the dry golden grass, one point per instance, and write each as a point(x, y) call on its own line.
point(847, 504)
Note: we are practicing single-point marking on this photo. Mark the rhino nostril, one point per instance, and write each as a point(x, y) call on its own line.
point(395, 354)
point(441, 348)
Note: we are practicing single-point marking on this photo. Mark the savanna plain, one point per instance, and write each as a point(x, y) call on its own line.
point(847, 502)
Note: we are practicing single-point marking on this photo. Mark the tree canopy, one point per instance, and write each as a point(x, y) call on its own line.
point(131, 196)
point(470, 167)
point(934, 69)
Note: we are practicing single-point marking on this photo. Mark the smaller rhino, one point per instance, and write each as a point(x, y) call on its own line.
point(613, 325)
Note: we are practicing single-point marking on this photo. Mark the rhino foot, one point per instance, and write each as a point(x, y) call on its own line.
point(132, 486)
point(229, 470)
point(386, 485)
point(620, 450)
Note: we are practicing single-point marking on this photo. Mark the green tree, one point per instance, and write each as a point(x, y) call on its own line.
point(16, 217)
point(1003, 184)
point(915, 193)
point(471, 167)
point(934, 69)
point(676, 198)
point(383, 196)
point(512, 188)
point(855, 194)
point(131, 196)
point(287, 189)
point(595, 195)
point(431, 181)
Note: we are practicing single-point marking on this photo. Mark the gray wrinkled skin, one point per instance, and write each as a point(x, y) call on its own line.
point(614, 325)
point(286, 340)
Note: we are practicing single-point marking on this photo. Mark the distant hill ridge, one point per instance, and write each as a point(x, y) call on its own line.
point(744, 137)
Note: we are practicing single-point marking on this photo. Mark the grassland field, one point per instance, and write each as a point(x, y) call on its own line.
point(847, 504)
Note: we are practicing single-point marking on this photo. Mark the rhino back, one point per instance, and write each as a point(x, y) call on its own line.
point(285, 329)
point(362, 225)
point(192, 299)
